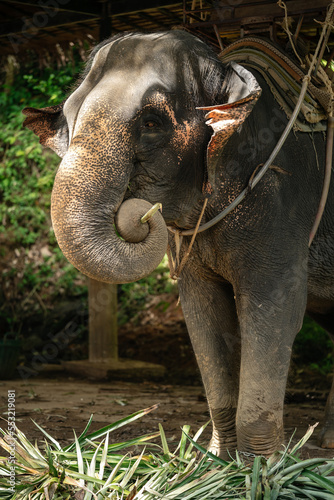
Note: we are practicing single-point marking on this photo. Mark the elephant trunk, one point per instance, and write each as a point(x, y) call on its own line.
point(86, 207)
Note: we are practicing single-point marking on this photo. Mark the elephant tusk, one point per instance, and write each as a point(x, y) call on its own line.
point(151, 212)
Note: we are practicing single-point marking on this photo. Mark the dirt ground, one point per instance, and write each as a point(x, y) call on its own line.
point(60, 402)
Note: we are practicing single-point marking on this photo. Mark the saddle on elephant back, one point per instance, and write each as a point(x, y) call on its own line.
point(284, 78)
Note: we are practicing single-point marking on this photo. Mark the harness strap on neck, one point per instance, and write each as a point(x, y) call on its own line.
point(176, 267)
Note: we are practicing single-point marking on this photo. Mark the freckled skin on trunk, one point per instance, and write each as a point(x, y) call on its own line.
point(84, 226)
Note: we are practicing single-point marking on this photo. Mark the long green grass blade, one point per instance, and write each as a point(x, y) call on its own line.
point(79, 459)
point(213, 457)
point(195, 438)
point(82, 435)
point(301, 492)
point(305, 438)
point(183, 441)
point(256, 480)
point(54, 441)
point(320, 481)
point(125, 481)
point(164, 443)
point(285, 474)
point(120, 423)
point(104, 457)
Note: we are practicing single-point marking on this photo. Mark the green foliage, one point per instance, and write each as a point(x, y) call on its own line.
point(133, 296)
point(91, 468)
point(314, 348)
point(27, 171)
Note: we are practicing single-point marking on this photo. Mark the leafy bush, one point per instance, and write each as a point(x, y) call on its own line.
point(26, 169)
point(32, 265)
point(314, 348)
point(29, 251)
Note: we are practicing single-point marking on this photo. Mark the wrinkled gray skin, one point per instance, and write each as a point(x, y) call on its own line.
point(132, 130)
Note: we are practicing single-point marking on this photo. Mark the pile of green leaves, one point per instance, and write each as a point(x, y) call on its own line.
point(91, 468)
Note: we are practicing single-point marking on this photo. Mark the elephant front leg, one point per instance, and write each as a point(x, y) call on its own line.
point(269, 318)
point(209, 311)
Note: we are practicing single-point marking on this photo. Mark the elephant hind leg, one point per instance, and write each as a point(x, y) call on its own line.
point(326, 436)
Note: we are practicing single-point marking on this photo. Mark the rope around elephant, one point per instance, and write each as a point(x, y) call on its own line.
point(176, 266)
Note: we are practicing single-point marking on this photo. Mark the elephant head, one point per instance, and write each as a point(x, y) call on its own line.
point(134, 133)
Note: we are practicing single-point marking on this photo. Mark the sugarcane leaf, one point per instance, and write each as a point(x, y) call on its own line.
point(164, 442)
point(52, 468)
point(133, 442)
point(267, 491)
point(200, 448)
point(195, 438)
point(119, 423)
point(131, 471)
point(54, 441)
point(255, 477)
point(104, 457)
point(183, 441)
point(301, 492)
point(79, 459)
point(319, 480)
point(305, 438)
point(82, 435)
point(299, 466)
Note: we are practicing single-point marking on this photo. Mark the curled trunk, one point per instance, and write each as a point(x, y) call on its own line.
point(86, 198)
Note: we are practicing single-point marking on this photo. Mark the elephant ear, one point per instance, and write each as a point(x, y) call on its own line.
point(242, 92)
point(50, 125)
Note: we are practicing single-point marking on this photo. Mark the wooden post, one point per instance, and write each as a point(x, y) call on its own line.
point(105, 20)
point(103, 362)
point(102, 303)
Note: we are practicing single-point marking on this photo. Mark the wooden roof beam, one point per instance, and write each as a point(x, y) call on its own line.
point(135, 6)
point(152, 19)
point(76, 6)
point(39, 21)
point(171, 15)
point(127, 21)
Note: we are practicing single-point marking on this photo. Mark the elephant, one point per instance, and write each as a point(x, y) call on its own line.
point(158, 118)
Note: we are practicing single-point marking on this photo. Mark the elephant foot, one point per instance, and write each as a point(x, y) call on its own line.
point(326, 438)
point(224, 438)
point(262, 437)
point(223, 449)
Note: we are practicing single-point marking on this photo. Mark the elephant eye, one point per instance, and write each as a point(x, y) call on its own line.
point(150, 124)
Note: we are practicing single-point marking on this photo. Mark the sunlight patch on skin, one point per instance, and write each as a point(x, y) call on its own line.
point(185, 134)
point(160, 100)
point(221, 125)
